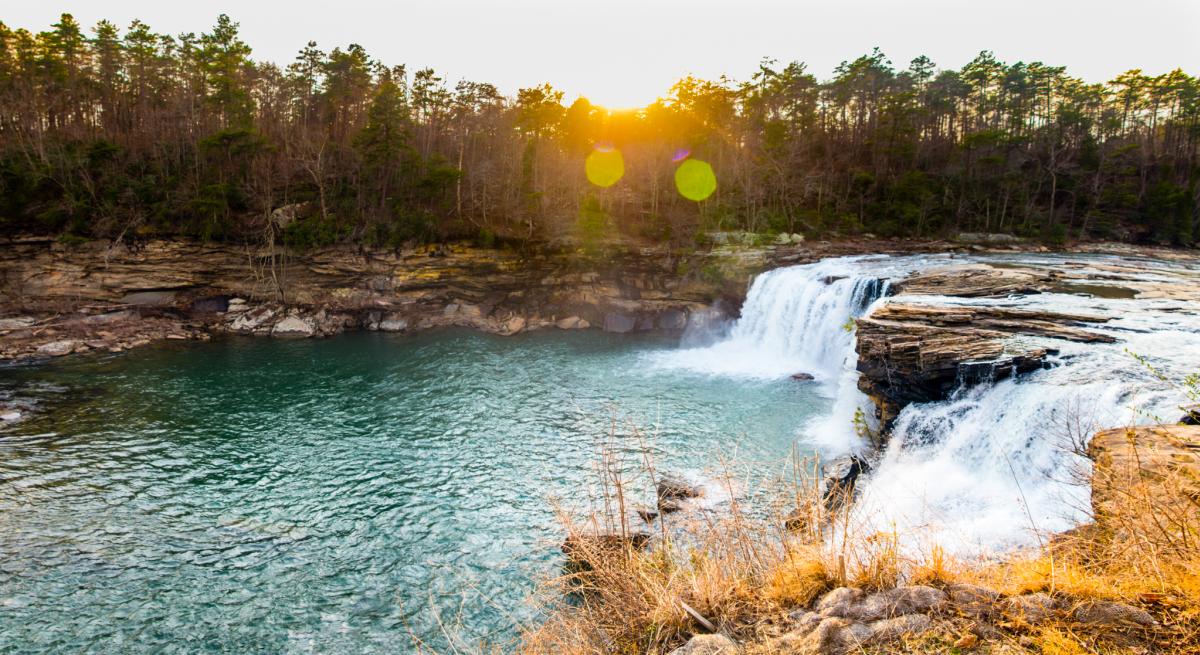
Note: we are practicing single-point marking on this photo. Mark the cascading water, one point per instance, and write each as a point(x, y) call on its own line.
point(992, 467)
point(794, 320)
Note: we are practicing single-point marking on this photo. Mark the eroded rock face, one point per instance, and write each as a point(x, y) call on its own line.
point(918, 352)
point(257, 292)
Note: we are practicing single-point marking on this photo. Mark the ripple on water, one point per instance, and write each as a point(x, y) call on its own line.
point(343, 495)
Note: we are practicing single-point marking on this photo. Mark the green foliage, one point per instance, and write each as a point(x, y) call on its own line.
point(150, 134)
point(592, 225)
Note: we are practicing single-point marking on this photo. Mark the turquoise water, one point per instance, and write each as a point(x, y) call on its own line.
point(366, 493)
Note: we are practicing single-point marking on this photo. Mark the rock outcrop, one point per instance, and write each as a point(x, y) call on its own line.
point(1161, 460)
point(914, 350)
point(50, 292)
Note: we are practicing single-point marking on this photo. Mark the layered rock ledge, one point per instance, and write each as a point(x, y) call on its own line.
point(957, 325)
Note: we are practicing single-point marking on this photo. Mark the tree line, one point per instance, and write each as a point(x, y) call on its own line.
point(124, 133)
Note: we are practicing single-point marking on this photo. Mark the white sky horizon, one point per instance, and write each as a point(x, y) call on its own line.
point(625, 54)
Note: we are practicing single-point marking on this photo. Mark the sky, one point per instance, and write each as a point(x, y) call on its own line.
point(619, 53)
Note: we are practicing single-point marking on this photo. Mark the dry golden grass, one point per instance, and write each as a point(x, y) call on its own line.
point(744, 575)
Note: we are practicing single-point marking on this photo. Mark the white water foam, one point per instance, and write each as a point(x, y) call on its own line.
point(993, 467)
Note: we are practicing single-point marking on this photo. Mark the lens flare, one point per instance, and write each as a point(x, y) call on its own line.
point(680, 155)
point(695, 180)
point(604, 166)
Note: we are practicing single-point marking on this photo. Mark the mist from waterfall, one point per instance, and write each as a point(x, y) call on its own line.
point(994, 467)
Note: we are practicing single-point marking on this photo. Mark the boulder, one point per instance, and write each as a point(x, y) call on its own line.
point(911, 599)
point(1112, 615)
point(672, 490)
point(841, 475)
point(832, 636)
point(58, 348)
point(839, 601)
point(972, 600)
point(571, 323)
point(895, 628)
point(708, 645)
point(803, 377)
point(1030, 608)
point(10, 416)
point(294, 326)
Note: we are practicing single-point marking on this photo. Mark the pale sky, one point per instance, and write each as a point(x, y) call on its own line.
point(620, 53)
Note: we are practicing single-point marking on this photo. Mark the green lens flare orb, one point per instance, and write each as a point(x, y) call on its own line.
point(604, 167)
point(695, 180)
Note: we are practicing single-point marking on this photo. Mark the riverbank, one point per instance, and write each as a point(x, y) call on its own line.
point(60, 299)
point(744, 585)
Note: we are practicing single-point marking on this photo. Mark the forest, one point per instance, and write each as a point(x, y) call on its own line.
point(124, 133)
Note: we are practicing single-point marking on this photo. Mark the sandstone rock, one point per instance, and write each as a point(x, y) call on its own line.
point(910, 354)
point(1030, 608)
point(708, 645)
point(58, 348)
point(972, 600)
point(910, 599)
point(570, 323)
point(805, 620)
point(907, 624)
point(513, 325)
point(839, 601)
point(1110, 614)
point(294, 326)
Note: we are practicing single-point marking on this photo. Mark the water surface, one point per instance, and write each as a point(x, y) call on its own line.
point(358, 494)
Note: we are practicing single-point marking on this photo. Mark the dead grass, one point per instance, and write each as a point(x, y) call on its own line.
point(743, 574)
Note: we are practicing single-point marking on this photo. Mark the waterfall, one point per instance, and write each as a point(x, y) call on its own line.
point(794, 320)
point(994, 466)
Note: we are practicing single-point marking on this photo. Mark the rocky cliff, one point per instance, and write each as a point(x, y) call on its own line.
point(953, 324)
point(58, 299)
